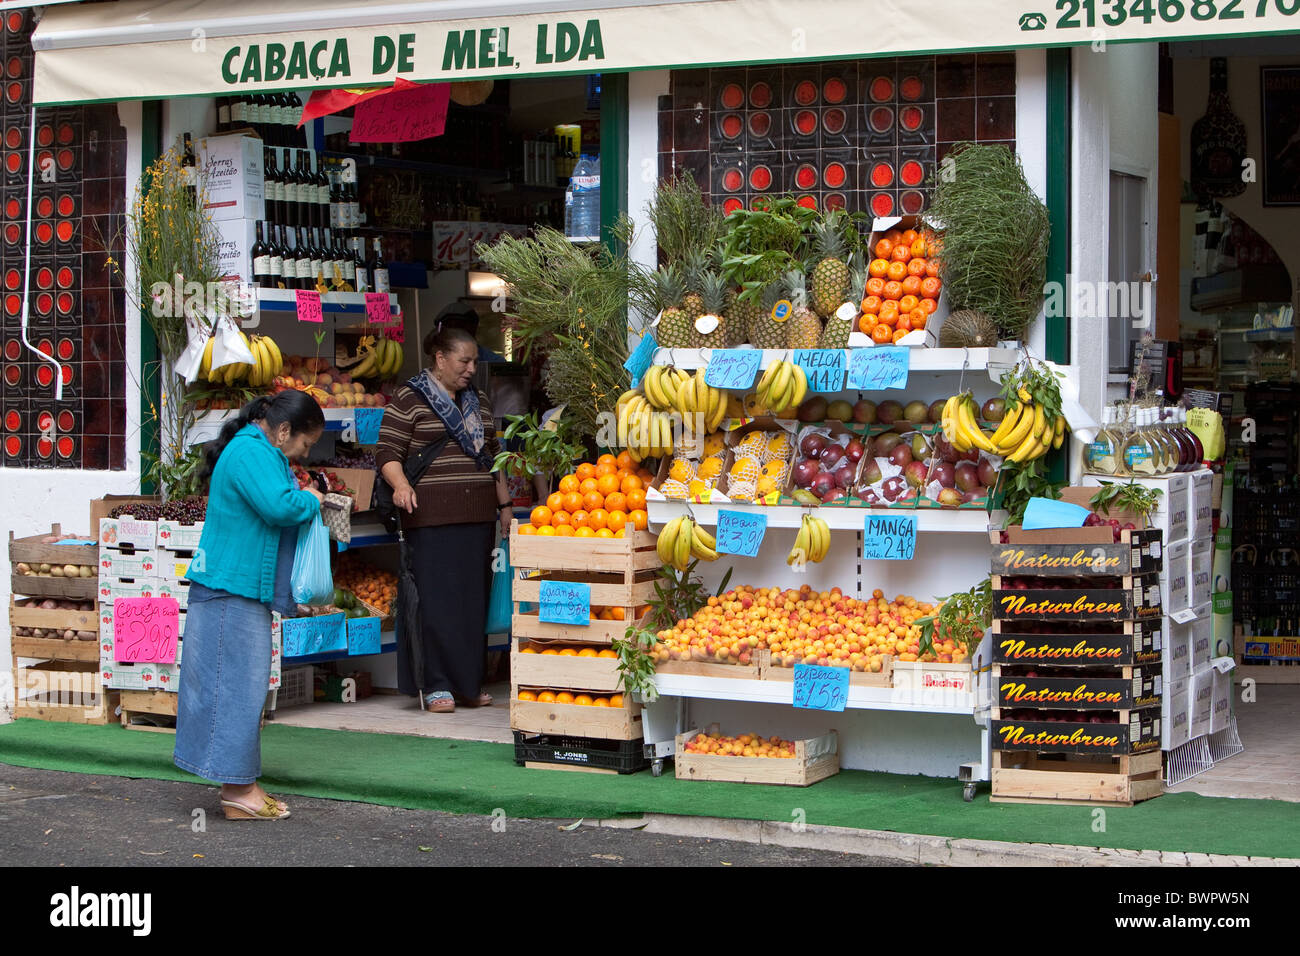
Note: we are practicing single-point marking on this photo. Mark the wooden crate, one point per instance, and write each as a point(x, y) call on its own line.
point(606, 589)
point(53, 648)
point(636, 552)
point(530, 625)
point(927, 677)
point(63, 691)
point(72, 589)
point(813, 760)
point(564, 673)
point(157, 702)
point(34, 550)
point(1026, 777)
point(712, 668)
point(883, 678)
point(576, 720)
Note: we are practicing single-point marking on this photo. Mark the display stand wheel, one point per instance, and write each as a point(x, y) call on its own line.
point(968, 792)
point(657, 766)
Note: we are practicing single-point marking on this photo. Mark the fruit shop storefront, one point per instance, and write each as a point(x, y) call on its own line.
point(753, 99)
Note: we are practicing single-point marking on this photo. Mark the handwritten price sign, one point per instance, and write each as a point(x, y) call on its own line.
point(740, 532)
point(565, 602)
point(732, 368)
point(314, 635)
point(413, 111)
point(824, 368)
point(640, 360)
point(363, 636)
point(821, 688)
point(307, 302)
point(145, 630)
point(377, 308)
point(884, 366)
point(889, 538)
point(367, 421)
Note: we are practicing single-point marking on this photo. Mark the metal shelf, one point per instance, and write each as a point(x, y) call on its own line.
point(955, 520)
point(328, 656)
point(936, 360)
point(331, 303)
point(779, 692)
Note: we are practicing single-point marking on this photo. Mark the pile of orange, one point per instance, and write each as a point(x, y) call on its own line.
point(564, 651)
point(374, 586)
point(568, 697)
point(600, 500)
point(904, 287)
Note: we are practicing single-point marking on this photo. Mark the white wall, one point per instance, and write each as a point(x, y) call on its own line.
point(36, 498)
point(643, 91)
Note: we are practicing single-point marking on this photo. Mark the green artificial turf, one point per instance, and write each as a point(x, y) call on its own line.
point(471, 777)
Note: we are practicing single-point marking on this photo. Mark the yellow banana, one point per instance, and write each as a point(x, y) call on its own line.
point(973, 434)
point(1009, 421)
point(1040, 421)
point(1026, 451)
point(1058, 433)
point(621, 436)
point(665, 546)
point(277, 359)
point(258, 377)
point(205, 369)
point(766, 380)
point(703, 544)
point(1024, 394)
point(626, 397)
point(653, 391)
point(1017, 435)
point(634, 455)
point(800, 550)
point(948, 420)
point(682, 545)
point(801, 385)
point(366, 369)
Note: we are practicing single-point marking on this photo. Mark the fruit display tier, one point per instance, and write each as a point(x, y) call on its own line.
point(338, 421)
point(839, 517)
point(994, 360)
point(351, 304)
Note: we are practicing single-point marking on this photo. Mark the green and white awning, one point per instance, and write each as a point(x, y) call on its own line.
point(138, 49)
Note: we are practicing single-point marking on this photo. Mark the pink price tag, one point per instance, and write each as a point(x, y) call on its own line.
point(308, 303)
point(377, 309)
point(145, 630)
point(397, 334)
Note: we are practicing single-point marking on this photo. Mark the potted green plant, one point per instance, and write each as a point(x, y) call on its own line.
point(544, 450)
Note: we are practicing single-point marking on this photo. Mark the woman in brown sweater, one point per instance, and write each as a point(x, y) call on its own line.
point(450, 518)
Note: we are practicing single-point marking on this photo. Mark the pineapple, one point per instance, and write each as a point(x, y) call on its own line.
point(713, 298)
point(675, 330)
point(845, 318)
point(766, 332)
point(744, 315)
point(803, 328)
point(830, 277)
point(694, 267)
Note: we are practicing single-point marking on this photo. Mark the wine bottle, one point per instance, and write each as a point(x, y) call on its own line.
point(223, 113)
point(261, 260)
point(1218, 141)
point(379, 269)
point(322, 193)
point(346, 263)
point(359, 266)
point(275, 253)
point(317, 259)
point(306, 192)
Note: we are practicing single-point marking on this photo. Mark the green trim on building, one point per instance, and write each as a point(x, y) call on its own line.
point(1057, 344)
point(150, 387)
point(613, 150)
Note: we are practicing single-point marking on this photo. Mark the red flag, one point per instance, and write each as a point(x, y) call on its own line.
point(325, 102)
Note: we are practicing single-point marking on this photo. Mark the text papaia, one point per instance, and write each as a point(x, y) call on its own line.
point(76, 909)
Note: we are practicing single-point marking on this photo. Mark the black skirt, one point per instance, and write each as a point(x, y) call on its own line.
point(452, 567)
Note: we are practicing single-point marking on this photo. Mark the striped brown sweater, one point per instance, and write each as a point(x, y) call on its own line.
point(452, 489)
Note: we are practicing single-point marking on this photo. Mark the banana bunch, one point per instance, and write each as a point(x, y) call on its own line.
point(782, 386)
point(269, 361)
point(695, 398)
point(812, 542)
point(682, 539)
point(644, 432)
point(961, 425)
point(382, 359)
point(661, 385)
point(1027, 431)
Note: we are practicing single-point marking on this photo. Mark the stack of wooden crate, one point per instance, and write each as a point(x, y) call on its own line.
point(1077, 681)
point(558, 734)
point(56, 651)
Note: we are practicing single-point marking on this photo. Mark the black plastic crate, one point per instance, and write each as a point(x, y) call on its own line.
point(623, 756)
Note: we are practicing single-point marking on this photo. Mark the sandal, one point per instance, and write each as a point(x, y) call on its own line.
point(482, 700)
point(443, 705)
point(269, 810)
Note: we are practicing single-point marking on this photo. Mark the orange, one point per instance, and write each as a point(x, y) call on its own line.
point(570, 502)
point(871, 303)
point(606, 459)
point(640, 519)
point(528, 649)
point(897, 271)
point(616, 501)
point(621, 533)
point(930, 287)
point(587, 652)
point(583, 532)
point(540, 516)
point(603, 470)
point(550, 652)
point(564, 531)
point(876, 285)
point(607, 485)
point(878, 267)
point(635, 499)
point(593, 501)
point(645, 475)
point(583, 700)
point(893, 290)
point(899, 333)
point(920, 245)
point(900, 253)
point(527, 695)
point(597, 518)
point(604, 533)
point(555, 502)
point(916, 267)
point(564, 697)
point(568, 652)
point(607, 653)
point(932, 268)
point(561, 517)
point(600, 702)
point(585, 470)
point(905, 322)
point(616, 700)
point(927, 306)
point(569, 483)
point(867, 321)
point(632, 483)
point(527, 529)
point(616, 520)
point(884, 247)
point(579, 518)
point(617, 613)
point(907, 303)
point(605, 615)
point(889, 312)
point(909, 236)
point(881, 333)
point(546, 531)
point(919, 318)
point(588, 486)
point(912, 285)
point(546, 697)
point(625, 461)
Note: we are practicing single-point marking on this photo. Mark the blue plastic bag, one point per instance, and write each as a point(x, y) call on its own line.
point(312, 581)
point(498, 615)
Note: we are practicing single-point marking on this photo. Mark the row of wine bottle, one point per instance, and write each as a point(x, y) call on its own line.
point(311, 257)
point(310, 191)
point(273, 116)
point(1144, 442)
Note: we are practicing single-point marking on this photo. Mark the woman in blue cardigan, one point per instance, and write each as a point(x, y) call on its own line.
point(240, 571)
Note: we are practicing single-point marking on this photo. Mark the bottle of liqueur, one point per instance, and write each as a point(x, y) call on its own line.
point(1218, 141)
point(1102, 455)
point(1140, 458)
point(379, 270)
point(359, 267)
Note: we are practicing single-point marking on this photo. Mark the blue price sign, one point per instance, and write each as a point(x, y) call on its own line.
point(566, 602)
point(732, 368)
point(640, 360)
point(363, 635)
point(820, 688)
point(824, 368)
point(314, 635)
point(889, 538)
point(368, 421)
point(740, 532)
point(884, 366)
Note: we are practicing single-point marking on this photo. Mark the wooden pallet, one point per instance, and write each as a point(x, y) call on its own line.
point(813, 760)
point(63, 691)
point(156, 702)
point(1027, 777)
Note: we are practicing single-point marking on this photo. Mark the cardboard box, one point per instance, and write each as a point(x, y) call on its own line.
point(173, 566)
point(233, 178)
point(1200, 574)
point(1202, 505)
point(125, 532)
point(1177, 659)
point(178, 590)
point(922, 338)
point(1131, 642)
point(112, 588)
point(1175, 715)
point(142, 563)
point(1221, 702)
point(1174, 581)
point(360, 480)
point(1139, 688)
point(174, 536)
point(1070, 552)
point(234, 241)
point(1137, 598)
point(1201, 691)
point(1201, 636)
point(1172, 513)
point(1137, 731)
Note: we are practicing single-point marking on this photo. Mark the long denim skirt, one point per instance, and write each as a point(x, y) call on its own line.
point(224, 679)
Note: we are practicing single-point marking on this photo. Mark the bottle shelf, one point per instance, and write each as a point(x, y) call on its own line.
point(415, 165)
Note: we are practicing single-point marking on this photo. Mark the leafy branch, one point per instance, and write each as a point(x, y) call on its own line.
point(544, 449)
point(1130, 497)
point(962, 617)
point(1019, 483)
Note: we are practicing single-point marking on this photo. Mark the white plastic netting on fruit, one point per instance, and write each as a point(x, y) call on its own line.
point(675, 490)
